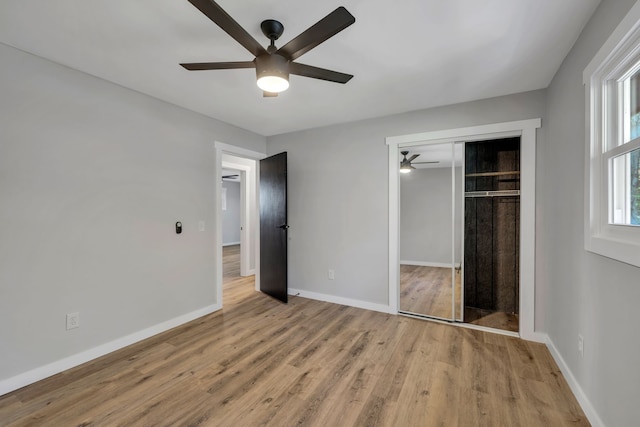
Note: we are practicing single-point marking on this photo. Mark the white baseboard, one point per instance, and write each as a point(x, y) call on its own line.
point(535, 337)
point(10, 384)
point(580, 395)
point(230, 244)
point(428, 264)
point(340, 300)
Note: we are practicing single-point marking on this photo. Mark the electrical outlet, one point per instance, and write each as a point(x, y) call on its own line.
point(332, 274)
point(201, 225)
point(73, 320)
point(581, 345)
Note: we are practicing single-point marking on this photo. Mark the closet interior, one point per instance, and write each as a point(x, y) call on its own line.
point(491, 233)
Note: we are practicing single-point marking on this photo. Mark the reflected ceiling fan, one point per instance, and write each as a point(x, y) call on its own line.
point(274, 65)
point(406, 165)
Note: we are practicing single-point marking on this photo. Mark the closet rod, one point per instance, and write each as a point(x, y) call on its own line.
point(493, 173)
point(496, 193)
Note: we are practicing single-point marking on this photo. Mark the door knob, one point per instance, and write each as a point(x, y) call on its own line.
point(284, 226)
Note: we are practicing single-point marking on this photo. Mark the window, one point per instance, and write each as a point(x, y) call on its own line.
point(623, 185)
point(625, 203)
point(612, 83)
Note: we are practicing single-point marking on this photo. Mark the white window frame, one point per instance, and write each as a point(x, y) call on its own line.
point(613, 63)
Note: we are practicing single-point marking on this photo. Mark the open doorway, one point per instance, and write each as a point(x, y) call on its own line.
point(238, 218)
point(258, 175)
point(237, 235)
point(232, 181)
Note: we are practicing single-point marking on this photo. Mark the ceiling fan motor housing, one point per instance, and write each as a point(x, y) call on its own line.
point(272, 65)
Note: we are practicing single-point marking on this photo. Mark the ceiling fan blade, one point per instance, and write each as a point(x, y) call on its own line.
point(198, 66)
point(214, 12)
point(423, 163)
point(266, 94)
point(318, 73)
point(413, 157)
point(322, 30)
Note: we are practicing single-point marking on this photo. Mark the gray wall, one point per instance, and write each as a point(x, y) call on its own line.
point(425, 216)
point(231, 216)
point(92, 179)
point(338, 192)
point(584, 293)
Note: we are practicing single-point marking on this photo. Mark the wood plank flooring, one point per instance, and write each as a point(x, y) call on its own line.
point(230, 262)
point(259, 362)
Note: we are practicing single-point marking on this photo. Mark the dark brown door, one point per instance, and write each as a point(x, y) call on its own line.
point(273, 226)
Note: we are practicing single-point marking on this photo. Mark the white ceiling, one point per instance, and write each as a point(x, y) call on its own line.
point(406, 55)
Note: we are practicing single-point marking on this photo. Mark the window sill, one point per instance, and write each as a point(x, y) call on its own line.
point(621, 249)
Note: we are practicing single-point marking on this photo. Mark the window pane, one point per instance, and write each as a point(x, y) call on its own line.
point(633, 107)
point(626, 188)
point(635, 186)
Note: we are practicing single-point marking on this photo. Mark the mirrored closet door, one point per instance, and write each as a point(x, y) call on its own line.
point(431, 226)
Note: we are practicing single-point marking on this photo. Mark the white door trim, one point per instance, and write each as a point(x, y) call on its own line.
point(526, 129)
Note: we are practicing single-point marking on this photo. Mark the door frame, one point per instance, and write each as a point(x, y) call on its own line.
point(526, 129)
point(221, 148)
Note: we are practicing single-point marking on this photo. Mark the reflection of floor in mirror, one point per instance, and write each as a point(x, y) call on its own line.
point(491, 319)
point(427, 290)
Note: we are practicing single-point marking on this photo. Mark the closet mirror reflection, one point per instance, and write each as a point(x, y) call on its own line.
point(431, 224)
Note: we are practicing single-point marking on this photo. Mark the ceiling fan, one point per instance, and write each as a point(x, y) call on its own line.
point(274, 65)
point(406, 165)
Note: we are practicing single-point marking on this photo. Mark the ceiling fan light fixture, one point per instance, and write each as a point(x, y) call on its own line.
point(273, 84)
point(272, 72)
point(405, 167)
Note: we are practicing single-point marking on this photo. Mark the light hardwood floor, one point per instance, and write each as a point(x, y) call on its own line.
point(259, 362)
point(230, 262)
